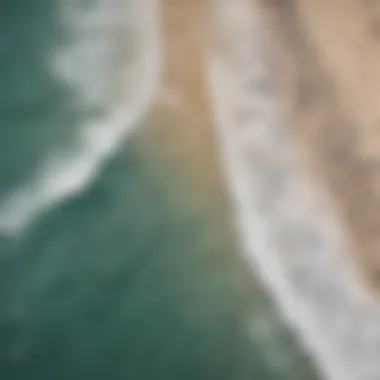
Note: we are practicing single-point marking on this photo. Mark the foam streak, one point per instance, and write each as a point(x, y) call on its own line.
point(288, 234)
point(71, 172)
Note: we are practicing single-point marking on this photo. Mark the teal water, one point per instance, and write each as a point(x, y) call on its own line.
point(125, 280)
point(37, 111)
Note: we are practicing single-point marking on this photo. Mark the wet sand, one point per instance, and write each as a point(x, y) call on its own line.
point(181, 136)
point(326, 59)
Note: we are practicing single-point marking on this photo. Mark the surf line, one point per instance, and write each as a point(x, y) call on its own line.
point(288, 234)
point(70, 173)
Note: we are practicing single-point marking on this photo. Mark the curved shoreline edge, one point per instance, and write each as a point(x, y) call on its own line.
point(287, 231)
point(72, 171)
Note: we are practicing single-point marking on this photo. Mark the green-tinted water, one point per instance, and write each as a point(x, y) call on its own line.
point(125, 282)
point(128, 280)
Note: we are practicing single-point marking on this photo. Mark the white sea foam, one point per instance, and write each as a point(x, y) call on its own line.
point(68, 173)
point(288, 233)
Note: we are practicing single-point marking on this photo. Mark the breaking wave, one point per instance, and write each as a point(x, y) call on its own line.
point(70, 171)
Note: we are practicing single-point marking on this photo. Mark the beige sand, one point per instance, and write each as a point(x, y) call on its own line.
point(327, 58)
point(181, 134)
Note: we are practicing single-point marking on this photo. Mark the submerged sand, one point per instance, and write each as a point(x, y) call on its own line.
point(182, 135)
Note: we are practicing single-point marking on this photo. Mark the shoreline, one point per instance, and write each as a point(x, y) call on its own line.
point(186, 101)
point(329, 85)
point(301, 256)
point(68, 172)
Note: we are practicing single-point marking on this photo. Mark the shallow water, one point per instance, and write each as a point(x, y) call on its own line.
point(131, 277)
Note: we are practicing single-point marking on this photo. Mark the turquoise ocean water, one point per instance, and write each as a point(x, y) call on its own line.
point(127, 279)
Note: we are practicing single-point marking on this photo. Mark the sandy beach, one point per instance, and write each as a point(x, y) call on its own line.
point(300, 172)
point(326, 58)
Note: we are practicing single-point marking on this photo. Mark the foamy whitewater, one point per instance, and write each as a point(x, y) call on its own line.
point(68, 172)
point(288, 234)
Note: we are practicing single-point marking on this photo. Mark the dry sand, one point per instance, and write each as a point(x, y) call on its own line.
point(326, 57)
